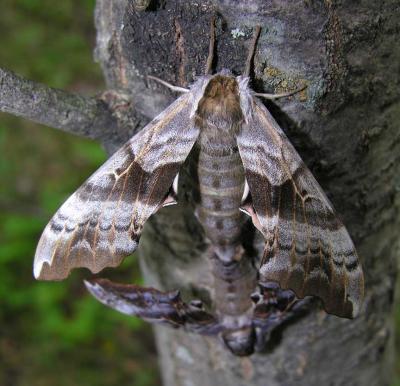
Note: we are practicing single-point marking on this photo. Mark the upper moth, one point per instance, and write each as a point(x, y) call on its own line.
point(246, 164)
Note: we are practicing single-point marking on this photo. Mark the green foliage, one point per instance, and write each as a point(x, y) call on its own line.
point(47, 41)
point(54, 333)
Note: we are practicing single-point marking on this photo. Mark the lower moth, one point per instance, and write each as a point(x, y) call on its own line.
point(246, 165)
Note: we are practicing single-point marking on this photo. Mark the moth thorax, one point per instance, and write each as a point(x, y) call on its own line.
point(219, 115)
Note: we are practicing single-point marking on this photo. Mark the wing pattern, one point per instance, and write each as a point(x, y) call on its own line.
point(307, 248)
point(101, 222)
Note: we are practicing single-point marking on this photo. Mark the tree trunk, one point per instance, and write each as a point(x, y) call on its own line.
point(346, 130)
point(345, 127)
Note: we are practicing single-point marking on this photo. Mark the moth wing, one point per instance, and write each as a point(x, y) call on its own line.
point(101, 222)
point(307, 248)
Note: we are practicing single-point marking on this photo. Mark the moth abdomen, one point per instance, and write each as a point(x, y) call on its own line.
point(221, 184)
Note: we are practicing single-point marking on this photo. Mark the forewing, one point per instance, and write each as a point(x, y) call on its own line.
point(101, 222)
point(307, 248)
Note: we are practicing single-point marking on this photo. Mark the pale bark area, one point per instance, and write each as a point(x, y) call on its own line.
point(345, 126)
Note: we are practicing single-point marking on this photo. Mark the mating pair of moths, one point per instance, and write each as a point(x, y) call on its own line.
point(246, 164)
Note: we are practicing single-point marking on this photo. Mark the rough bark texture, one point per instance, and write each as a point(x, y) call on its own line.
point(345, 126)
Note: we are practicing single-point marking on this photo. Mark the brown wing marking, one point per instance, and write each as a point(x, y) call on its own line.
point(307, 248)
point(101, 222)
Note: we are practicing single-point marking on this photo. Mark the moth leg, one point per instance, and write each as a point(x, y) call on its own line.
point(280, 95)
point(169, 85)
point(251, 51)
point(211, 48)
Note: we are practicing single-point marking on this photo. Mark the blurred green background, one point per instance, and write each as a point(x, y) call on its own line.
point(55, 333)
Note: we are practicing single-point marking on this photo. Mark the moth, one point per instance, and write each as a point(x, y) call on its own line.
point(246, 165)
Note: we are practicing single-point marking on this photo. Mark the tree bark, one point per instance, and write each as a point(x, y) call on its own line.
point(345, 127)
point(346, 131)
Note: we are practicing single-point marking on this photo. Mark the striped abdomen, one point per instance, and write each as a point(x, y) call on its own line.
point(221, 180)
